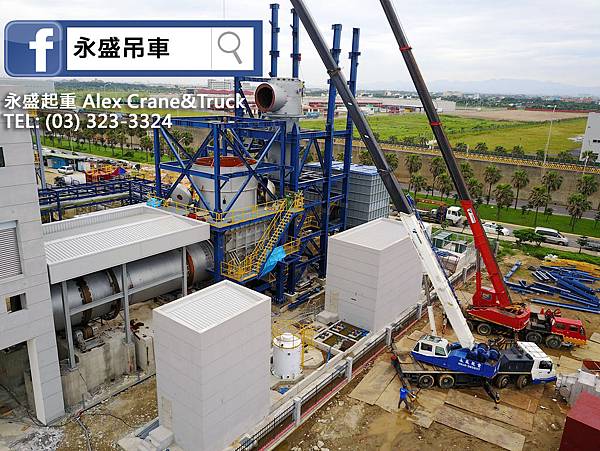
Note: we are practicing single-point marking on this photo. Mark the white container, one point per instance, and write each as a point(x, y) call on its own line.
point(373, 274)
point(228, 165)
point(287, 356)
point(212, 351)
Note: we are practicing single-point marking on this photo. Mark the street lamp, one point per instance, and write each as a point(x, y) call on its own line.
point(548, 140)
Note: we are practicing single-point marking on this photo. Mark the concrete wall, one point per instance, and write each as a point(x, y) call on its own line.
point(569, 185)
point(33, 324)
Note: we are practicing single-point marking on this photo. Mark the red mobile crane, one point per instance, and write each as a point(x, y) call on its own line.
point(492, 308)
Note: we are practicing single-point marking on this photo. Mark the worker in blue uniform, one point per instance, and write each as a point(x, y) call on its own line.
point(406, 398)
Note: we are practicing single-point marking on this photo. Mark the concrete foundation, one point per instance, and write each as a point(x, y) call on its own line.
point(95, 367)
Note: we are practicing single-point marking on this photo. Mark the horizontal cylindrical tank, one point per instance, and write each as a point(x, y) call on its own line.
point(287, 356)
point(229, 189)
point(149, 272)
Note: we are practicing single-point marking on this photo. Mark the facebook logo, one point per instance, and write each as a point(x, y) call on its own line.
point(32, 49)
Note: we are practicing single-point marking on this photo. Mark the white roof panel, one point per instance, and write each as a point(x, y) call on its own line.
point(212, 305)
point(80, 246)
point(377, 235)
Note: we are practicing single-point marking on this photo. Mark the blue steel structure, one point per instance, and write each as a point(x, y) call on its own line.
point(54, 199)
point(250, 138)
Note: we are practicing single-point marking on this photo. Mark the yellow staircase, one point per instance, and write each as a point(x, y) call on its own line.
point(252, 264)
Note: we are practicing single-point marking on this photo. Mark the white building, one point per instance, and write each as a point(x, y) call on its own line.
point(25, 307)
point(591, 139)
point(224, 84)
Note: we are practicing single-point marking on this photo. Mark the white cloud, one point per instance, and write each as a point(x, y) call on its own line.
point(553, 40)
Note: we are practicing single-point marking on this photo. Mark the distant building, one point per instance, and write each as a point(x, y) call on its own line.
point(591, 139)
point(225, 84)
point(380, 105)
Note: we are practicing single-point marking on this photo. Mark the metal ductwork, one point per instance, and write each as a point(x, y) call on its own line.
point(280, 98)
point(148, 278)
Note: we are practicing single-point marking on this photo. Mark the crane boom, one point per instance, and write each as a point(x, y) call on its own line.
point(502, 298)
point(401, 203)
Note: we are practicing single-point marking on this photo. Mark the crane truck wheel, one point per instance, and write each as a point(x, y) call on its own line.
point(522, 381)
point(502, 381)
point(446, 381)
point(553, 341)
point(484, 329)
point(426, 381)
point(470, 325)
point(534, 337)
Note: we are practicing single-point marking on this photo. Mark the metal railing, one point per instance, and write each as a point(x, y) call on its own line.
point(252, 264)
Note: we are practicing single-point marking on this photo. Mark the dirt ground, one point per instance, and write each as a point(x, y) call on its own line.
point(517, 115)
point(107, 423)
point(345, 423)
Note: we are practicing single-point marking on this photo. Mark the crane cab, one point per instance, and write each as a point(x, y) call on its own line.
point(543, 368)
point(432, 349)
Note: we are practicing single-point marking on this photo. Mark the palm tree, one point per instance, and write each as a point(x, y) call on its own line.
point(504, 196)
point(481, 147)
point(364, 157)
point(491, 176)
point(577, 205)
point(500, 149)
point(436, 168)
point(538, 197)
point(146, 144)
point(413, 163)
point(466, 170)
point(418, 183)
point(520, 180)
point(392, 160)
point(587, 185)
point(518, 151)
point(475, 187)
point(460, 147)
point(552, 180)
point(445, 185)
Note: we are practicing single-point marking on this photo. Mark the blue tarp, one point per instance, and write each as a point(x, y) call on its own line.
point(276, 255)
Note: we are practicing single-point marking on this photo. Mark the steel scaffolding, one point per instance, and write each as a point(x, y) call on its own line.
point(250, 139)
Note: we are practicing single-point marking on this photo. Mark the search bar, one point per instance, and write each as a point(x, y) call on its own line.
point(157, 48)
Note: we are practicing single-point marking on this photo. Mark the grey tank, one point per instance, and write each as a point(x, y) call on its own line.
point(146, 272)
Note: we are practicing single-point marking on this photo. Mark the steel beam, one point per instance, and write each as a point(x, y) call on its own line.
point(125, 286)
point(68, 329)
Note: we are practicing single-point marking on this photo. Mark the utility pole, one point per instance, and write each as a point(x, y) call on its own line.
point(548, 141)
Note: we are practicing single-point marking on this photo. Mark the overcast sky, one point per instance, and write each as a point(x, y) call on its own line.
point(464, 40)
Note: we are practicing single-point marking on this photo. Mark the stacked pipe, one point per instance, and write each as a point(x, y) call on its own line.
point(567, 283)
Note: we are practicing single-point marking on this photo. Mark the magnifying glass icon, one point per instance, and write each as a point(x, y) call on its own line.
point(231, 49)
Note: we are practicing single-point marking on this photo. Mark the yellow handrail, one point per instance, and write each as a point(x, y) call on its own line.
point(254, 261)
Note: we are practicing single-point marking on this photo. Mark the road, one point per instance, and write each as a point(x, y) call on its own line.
point(556, 208)
point(572, 240)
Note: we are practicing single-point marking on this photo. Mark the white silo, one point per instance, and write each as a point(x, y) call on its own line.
point(287, 356)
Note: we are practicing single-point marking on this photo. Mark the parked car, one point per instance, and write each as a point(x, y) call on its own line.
point(552, 236)
point(495, 229)
point(66, 170)
point(592, 245)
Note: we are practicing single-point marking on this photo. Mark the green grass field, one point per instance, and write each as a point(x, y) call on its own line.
point(532, 136)
point(583, 226)
point(539, 252)
point(106, 152)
